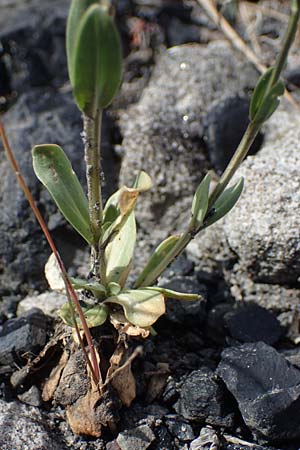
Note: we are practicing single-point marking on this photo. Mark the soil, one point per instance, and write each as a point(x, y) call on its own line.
point(223, 373)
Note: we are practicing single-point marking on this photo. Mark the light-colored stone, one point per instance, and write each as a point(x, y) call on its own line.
point(264, 227)
point(49, 302)
point(162, 133)
point(24, 427)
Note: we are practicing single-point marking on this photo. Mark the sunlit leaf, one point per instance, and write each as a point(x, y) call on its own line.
point(54, 170)
point(169, 293)
point(200, 203)
point(156, 258)
point(97, 60)
point(95, 315)
point(119, 252)
point(225, 202)
point(113, 288)
point(265, 98)
point(141, 307)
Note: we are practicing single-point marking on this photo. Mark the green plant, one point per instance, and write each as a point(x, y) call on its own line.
point(95, 70)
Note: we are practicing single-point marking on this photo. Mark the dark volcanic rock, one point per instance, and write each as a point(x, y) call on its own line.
point(40, 117)
point(202, 398)
point(185, 311)
point(267, 389)
point(224, 128)
point(22, 336)
point(180, 428)
point(252, 323)
point(33, 37)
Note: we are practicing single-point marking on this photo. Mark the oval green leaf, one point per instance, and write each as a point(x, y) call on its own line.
point(54, 170)
point(225, 202)
point(141, 307)
point(265, 98)
point(97, 68)
point(94, 315)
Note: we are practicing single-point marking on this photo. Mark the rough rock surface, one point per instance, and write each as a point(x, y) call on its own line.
point(202, 398)
point(264, 227)
point(267, 389)
point(48, 302)
point(24, 427)
point(163, 133)
point(22, 337)
point(38, 117)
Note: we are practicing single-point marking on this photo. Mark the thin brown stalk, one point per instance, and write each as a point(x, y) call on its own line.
point(69, 288)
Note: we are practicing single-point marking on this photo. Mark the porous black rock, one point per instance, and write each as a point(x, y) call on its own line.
point(203, 398)
point(250, 322)
point(22, 337)
point(267, 389)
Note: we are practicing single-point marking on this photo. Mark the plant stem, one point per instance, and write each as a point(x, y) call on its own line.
point(92, 141)
point(287, 41)
point(69, 288)
point(238, 157)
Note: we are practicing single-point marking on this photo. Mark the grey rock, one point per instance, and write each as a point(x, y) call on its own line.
point(275, 297)
point(251, 323)
point(32, 34)
point(24, 427)
point(179, 428)
point(267, 389)
point(31, 397)
point(162, 133)
point(48, 302)
point(164, 440)
point(139, 438)
point(22, 336)
point(264, 227)
point(203, 398)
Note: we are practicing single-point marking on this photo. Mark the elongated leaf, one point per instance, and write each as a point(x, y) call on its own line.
point(77, 9)
point(119, 252)
point(54, 170)
point(141, 307)
point(97, 61)
point(94, 315)
point(200, 203)
point(169, 293)
point(225, 202)
point(265, 98)
point(158, 255)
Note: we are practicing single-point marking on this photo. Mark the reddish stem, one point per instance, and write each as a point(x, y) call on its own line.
point(94, 367)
